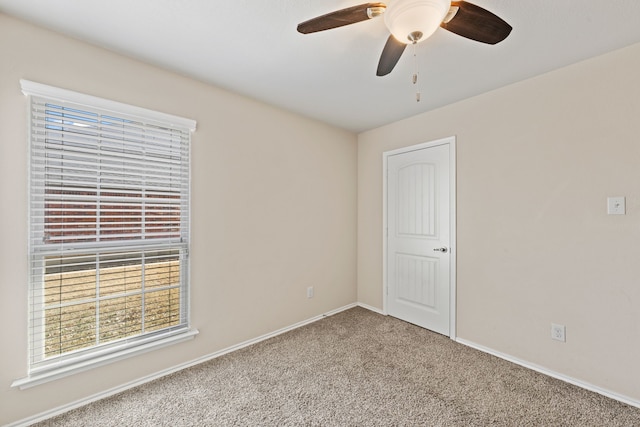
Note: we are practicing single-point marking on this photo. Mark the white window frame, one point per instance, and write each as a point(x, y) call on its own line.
point(39, 373)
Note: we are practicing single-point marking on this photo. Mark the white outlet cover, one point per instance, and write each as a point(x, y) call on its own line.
point(558, 332)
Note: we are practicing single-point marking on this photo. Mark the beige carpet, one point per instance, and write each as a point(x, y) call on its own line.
point(356, 368)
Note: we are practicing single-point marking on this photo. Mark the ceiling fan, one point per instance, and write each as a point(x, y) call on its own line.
point(412, 21)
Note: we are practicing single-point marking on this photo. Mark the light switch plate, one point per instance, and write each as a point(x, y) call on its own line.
point(616, 206)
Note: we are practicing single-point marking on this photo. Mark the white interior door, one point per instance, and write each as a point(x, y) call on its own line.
point(419, 237)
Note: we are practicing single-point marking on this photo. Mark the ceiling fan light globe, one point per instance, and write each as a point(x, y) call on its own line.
point(407, 17)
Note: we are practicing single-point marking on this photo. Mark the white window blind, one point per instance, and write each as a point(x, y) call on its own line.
point(109, 227)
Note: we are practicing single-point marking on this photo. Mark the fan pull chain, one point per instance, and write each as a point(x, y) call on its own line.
point(415, 72)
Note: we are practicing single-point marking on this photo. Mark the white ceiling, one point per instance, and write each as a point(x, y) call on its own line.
point(252, 47)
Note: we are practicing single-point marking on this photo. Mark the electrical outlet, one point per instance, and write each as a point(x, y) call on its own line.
point(558, 332)
point(310, 292)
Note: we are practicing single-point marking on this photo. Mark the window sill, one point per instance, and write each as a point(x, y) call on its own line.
point(53, 374)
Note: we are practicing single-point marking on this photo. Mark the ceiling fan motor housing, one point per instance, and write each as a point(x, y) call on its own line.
point(411, 21)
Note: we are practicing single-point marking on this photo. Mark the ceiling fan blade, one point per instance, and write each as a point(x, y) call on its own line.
point(390, 55)
point(476, 23)
point(342, 17)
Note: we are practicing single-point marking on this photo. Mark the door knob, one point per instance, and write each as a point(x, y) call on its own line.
point(443, 250)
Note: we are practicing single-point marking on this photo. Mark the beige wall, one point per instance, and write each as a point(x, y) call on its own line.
point(274, 210)
point(535, 163)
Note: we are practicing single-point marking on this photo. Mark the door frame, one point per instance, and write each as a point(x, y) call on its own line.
point(451, 142)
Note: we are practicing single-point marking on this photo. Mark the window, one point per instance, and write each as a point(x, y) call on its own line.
point(109, 229)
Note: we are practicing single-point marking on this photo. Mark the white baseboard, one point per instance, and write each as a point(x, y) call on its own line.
point(370, 308)
point(102, 395)
point(548, 372)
